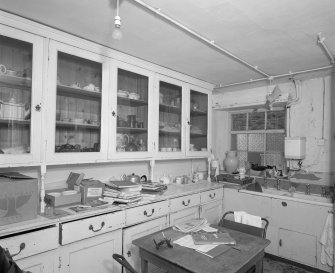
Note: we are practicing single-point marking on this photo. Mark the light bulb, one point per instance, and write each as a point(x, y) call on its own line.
point(117, 33)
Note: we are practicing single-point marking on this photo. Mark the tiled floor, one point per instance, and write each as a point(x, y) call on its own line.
point(272, 266)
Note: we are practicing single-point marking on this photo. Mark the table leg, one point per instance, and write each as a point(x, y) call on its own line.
point(259, 265)
point(144, 266)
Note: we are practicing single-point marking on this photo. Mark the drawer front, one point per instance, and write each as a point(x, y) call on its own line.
point(31, 243)
point(211, 196)
point(89, 227)
point(146, 212)
point(184, 202)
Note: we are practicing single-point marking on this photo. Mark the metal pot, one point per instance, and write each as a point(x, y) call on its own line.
point(133, 178)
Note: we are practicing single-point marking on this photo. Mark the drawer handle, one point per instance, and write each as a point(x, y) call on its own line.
point(212, 196)
point(96, 230)
point(148, 215)
point(188, 202)
point(284, 204)
point(22, 247)
point(129, 253)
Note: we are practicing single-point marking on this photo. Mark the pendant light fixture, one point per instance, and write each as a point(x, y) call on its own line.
point(117, 33)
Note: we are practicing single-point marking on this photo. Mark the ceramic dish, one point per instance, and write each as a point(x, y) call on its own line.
point(134, 96)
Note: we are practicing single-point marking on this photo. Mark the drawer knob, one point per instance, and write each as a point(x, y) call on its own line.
point(22, 247)
point(96, 230)
point(186, 204)
point(212, 196)
point(129, 253)
point(284, 204)
point(148, 215)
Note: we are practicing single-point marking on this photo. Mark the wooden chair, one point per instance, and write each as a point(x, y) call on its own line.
point(256, 231)
point(122, 260)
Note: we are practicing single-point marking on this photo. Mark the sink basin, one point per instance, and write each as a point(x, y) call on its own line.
point(297, 195)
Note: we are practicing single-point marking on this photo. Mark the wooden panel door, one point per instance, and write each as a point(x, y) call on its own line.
point(184, 215)
point(46, 262)
point(297, 246)
point(212, 212)
point(92, 255)
point(131, 251)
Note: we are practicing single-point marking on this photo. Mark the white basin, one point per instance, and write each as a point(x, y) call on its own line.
point(298, 195)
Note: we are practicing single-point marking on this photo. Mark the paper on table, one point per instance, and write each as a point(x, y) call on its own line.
point(187, 241)
point(209, 229)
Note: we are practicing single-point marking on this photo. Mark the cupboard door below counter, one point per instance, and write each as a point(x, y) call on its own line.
point(21, 59)
point(78, 83)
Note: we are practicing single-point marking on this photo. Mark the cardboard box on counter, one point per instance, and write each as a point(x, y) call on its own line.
point(62, 197)
point(91, 190)
point(18, 198)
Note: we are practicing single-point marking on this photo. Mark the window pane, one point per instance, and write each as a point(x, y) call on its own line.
point(276, 120)
point(275, 142)
point(239, 122)
point(257, 121)
point(256, 142)
point(242, 156)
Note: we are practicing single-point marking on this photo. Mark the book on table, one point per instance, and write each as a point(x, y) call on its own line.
point(216, 251)
point(215, 238)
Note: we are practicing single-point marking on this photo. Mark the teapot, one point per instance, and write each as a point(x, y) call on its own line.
point(134, 178)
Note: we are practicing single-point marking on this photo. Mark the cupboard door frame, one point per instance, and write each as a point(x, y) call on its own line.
point(112, 153)
point(34, 157)
point(188, 120)
point(181, 153)
point(52, 156)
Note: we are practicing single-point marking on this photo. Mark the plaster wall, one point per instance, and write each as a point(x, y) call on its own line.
point(312, 116)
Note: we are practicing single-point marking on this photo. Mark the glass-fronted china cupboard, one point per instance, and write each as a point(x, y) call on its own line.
point(61, 104)
point(20, 96)
point(77, 99)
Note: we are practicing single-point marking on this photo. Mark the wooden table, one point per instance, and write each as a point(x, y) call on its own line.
point(181, 259)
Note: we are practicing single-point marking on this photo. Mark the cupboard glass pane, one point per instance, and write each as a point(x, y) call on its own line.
point(78, 105)
point(170, 109)
point(198, 126)
point(132, 112)
point(15, 95)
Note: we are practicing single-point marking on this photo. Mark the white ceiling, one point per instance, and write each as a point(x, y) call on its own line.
point(276, 36)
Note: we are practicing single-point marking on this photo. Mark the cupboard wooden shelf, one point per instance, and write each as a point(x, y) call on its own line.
point(68, 90)
point(198, 113)
point(78, 125)
point(131, 102)
point(197, 134)
point(15, 121)
point(14, 81)
point(169, 108)
point(123, 130)
point(163, 132)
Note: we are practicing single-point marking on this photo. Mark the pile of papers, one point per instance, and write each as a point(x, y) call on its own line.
point(192, 225)
point(149, 186)
point(122, 191)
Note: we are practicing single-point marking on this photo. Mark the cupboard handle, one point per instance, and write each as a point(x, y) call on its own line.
point(38, 107)
point(22, 247)
point(128, 253)
point(284, 204)
point(148, 215)
point(188, 202)
point(188, 122)
point(96, 230)
point(113, 114)
point(280, 242)
point(212, 196)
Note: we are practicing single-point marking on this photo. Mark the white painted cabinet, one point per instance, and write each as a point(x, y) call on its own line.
point(92, 255)
point(212, 205)
point(131, 233)
point(294, 228)
point(35, 251)
point(21, 74)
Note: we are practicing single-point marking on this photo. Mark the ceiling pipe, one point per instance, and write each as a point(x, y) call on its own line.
point(200, 37)
point(321, 41)
point(277, 76)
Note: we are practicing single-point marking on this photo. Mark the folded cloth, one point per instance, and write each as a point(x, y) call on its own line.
point(326, 240)
point(252, 220)
point(238, 216)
